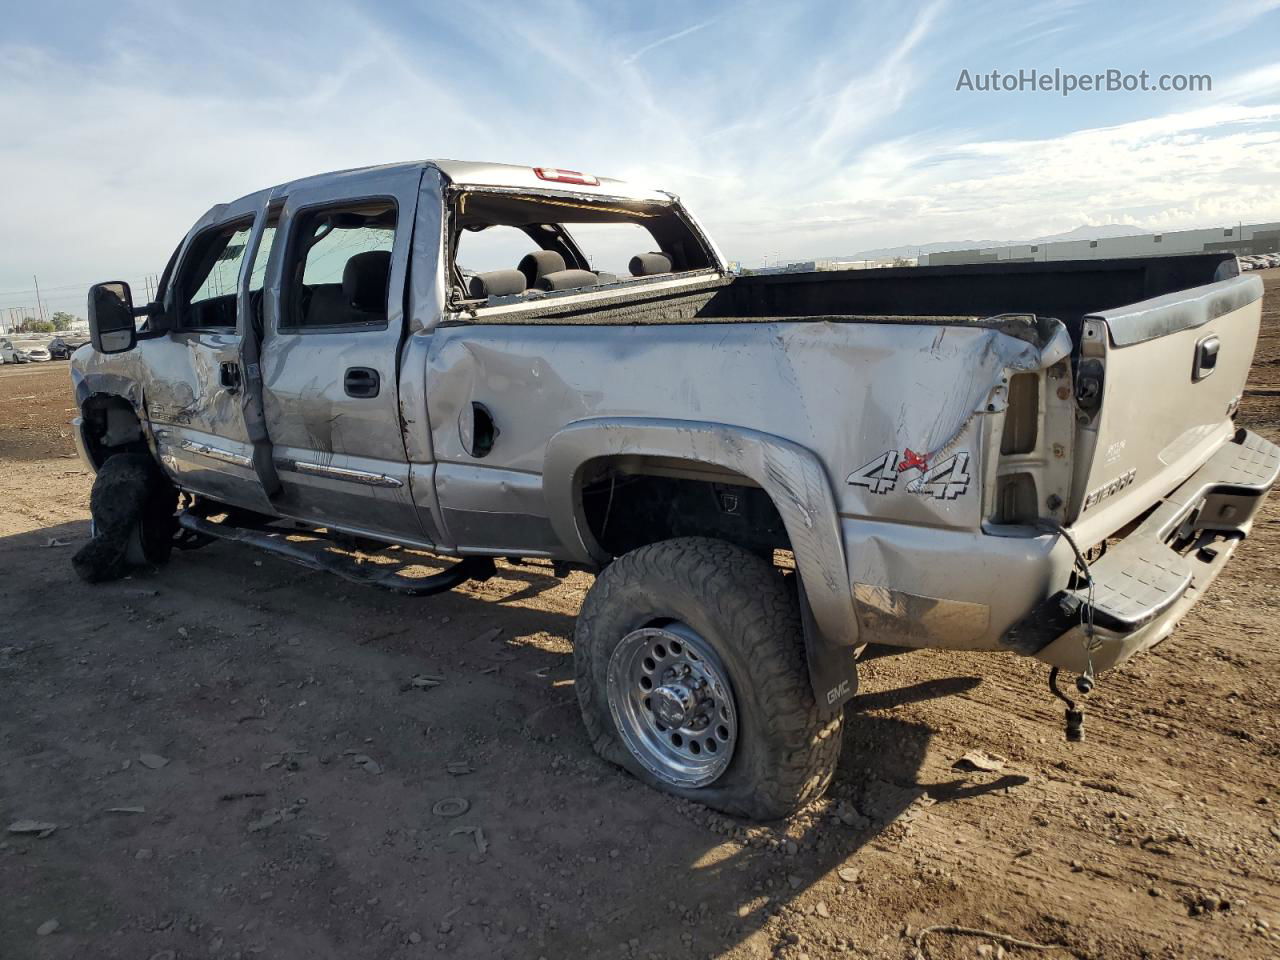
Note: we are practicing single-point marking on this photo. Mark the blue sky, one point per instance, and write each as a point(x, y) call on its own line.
point(793, 130)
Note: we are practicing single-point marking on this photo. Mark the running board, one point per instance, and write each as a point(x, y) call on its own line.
point(468, 568)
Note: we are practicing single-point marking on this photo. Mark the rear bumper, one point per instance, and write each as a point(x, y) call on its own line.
point(1147, 582)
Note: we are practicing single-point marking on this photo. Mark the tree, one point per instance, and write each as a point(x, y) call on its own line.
point(32, 325)
point(63, 320)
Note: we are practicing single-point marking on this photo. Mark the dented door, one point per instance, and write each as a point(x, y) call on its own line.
point(334, 325)
point(194, 385)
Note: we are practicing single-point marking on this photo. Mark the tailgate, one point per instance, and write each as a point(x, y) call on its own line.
point(1157, 383)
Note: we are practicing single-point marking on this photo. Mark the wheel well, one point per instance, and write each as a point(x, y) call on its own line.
point(111, 426)
point(632, 501)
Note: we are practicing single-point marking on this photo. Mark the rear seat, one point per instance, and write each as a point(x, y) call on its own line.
point(568, 280)
point(649, 264)
point(545, 270)
point(538, 264)
point(496, 283)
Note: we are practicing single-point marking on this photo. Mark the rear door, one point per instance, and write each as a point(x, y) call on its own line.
point(334, 311)
point(193, 391)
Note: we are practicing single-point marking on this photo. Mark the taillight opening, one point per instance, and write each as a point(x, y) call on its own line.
point(1022, 416)
point(556, 175)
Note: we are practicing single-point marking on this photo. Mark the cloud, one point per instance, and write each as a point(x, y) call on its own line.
point(792, 131)
point(669, 38)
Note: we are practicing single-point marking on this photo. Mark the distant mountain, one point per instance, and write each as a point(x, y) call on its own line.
point(1100, 232)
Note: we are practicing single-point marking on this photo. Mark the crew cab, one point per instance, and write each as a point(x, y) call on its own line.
point(472, 361)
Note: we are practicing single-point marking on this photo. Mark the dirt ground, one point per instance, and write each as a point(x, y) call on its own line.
point(238, 764)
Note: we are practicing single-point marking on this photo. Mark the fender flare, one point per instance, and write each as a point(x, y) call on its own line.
point(790, 474)
point(86, 384)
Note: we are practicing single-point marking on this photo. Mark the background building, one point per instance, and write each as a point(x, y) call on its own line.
point(1242, 240)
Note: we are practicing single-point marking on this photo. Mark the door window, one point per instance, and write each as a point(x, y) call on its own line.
point(259, 272)
point(207, 281)
point(341, 267)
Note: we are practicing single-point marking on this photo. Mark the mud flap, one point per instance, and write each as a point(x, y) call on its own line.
point(833, 667)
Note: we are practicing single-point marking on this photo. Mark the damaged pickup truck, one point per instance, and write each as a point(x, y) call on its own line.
point(767, 472)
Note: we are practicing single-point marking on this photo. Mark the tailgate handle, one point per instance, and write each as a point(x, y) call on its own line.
point(1206, 358)
point(361, 382)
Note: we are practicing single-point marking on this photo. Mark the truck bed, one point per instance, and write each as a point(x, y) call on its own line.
point(1065, 290)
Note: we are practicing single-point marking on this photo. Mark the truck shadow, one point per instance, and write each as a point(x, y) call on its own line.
point(578, 858)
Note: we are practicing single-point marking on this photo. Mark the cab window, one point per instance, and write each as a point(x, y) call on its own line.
point(340, 267)
point(207, 281)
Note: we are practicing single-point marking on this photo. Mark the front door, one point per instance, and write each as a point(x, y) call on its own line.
point(334, 324)
point(194, 387)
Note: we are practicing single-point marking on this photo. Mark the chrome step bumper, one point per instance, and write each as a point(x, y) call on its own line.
point(1143, 586)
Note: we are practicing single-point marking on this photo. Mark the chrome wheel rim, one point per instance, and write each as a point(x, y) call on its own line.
point(672, 704)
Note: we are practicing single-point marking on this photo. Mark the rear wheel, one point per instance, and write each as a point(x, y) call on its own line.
point(132, 504)
point(691, 674)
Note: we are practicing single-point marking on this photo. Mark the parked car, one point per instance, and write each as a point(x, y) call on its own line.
point(62, 347)
point(8, 352)
point(766, 472)
point(35, 351)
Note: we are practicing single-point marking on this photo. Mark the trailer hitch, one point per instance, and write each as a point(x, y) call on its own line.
point(1075, 714)
point(1084, 682)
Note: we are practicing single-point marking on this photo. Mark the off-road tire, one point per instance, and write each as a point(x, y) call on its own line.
point(787, 744)
point(133, 505)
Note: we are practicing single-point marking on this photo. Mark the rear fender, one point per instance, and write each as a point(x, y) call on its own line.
point(790, 474)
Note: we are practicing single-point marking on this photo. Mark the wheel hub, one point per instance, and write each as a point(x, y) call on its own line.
point(670, 698)
point(673, 704)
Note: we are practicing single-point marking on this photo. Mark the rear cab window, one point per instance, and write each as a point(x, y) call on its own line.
point(506, 244)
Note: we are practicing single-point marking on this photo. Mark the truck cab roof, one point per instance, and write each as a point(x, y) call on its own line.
point(467, 173)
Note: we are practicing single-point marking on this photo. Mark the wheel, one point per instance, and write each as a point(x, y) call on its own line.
point(132, 505)
point(691, 674)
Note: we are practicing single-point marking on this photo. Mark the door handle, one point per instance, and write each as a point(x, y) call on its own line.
point(362, 382)
point(1206, 358)
point(229, 376)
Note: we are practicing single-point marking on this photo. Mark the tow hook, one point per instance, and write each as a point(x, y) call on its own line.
point(1075, 713)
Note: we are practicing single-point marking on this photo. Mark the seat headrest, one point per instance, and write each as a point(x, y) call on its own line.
point(364, 280)
point(647, 264)
point(568, 279)
point(496, 283)
point(538, 264)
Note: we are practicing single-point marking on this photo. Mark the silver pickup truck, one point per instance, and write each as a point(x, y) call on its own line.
point(767, 472)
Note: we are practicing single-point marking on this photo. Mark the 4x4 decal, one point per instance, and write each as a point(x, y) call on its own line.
point(945, 480)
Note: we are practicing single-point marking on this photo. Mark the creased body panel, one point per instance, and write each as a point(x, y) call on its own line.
point(850, 392)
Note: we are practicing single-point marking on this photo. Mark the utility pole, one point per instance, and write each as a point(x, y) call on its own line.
point(39, 305)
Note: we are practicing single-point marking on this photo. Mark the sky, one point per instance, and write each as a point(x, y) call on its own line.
point(793, 131)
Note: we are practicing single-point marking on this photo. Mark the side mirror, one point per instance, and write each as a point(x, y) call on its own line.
point(111, 325)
